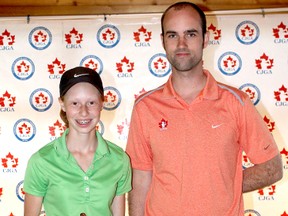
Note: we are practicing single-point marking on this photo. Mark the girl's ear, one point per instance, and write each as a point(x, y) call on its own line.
point(61, 102)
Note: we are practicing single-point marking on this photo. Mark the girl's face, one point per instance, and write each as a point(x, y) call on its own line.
point(82, 104)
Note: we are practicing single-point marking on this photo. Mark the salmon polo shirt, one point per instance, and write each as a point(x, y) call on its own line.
point(195, 150)
point(53, 173)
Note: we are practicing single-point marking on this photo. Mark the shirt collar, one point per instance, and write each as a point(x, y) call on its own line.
point(209, 92)
point(61, 148)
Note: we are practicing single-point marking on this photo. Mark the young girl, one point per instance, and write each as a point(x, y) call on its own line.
point(80, 173)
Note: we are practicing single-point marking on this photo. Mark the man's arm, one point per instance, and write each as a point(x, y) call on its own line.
point(141, 181)
point(262, 175)
point(118, 205)
point(32, 205)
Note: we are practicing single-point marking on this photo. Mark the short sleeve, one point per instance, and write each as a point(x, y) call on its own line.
point(35, 181)
point(138, 146)
point(258, 142)
point(124, 184)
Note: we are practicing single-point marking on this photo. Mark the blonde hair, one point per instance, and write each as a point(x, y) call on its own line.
point(63, 115)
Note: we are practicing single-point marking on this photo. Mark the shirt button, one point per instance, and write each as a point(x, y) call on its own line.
point(82, 214)
point(86, 178)
point(87, 189)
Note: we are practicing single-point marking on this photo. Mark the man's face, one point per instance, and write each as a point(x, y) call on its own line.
point(183, 38)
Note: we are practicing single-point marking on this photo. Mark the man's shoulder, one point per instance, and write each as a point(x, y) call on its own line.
point(149, 94)
point(232, 91)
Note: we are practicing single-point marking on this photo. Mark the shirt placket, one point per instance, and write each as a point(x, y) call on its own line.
point(86, 183)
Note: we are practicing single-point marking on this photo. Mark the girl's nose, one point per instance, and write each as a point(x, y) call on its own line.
point(83, 110)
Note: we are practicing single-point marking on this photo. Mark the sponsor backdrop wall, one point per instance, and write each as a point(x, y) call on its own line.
point(247, 51)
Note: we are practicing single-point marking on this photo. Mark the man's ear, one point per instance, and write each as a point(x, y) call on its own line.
point(162, 40)
point(206, 39)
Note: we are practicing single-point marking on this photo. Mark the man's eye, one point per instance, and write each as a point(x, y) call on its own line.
point(172, 36)
point(191, 35)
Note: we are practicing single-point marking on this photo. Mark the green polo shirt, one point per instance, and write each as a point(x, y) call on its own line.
point(54, 174)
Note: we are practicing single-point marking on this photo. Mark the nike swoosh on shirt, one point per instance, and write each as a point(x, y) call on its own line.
point(265, 148)
point(216, 126)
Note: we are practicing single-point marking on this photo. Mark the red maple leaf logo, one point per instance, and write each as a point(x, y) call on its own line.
point(264, 59)
point(144, 33)
point(270, 124)
point(216, 32)
point(250, 93)
point(7, 100)
point(23, 67)
point(281, 28)
point(125, 62)
point(1, 192)
point(108, 35)
point(271, 190)
point(247, 31)
point(92, 65)
point(24, 129)
point(110, 97)
point(9, 158)
point(163, 124)
point(75, 35)
point(120, 128)
point(229, 62)
point(41, 98)
point(40, 37)
point(9, 38)
point(140, 93)
point(56, 125)
point(281, 92)
point(56, 67)
point(160, 64)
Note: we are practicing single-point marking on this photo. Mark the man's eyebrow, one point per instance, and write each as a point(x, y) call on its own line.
point(190, 31)
point(185, 32)
point(170, 32)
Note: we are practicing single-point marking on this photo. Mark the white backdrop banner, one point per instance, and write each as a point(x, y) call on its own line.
point(249, 52)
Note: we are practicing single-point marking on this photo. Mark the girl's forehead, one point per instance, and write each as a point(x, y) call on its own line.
point(82, 89)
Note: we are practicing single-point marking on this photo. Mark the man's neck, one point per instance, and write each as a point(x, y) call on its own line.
point(188, 85)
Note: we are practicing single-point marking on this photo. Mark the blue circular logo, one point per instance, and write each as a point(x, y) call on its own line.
point(252, 91)
point(112, 98)
point(92, 62)
point(159, 65)
point(23, 68)
point(251, 212)
point(108, 36)
point(19, 191)
point(100, 127)
point(24, 130)
point(229, 63)
point(247, 32)
point(40, 38)
point(41, 100)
